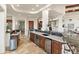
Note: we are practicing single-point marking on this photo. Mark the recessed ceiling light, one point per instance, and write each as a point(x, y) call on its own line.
point(49, 9)
point(33, 9)
point(17, 5)
point(19, 14)
point(37, 5)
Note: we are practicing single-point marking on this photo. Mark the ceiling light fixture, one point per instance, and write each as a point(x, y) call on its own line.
point(17, 5)
point(49, 9)
point(30, 12)
point(33, 9)
point(37, 5)
point(19, 14)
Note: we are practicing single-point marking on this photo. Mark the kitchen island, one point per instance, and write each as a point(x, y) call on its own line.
point(49, 43)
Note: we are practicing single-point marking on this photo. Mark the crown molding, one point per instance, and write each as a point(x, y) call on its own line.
point(30, 12)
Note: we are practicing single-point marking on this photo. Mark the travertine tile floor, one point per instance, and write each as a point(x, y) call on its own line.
point(26, 47)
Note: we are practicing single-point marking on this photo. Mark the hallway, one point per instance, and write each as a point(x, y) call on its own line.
point(26, 47)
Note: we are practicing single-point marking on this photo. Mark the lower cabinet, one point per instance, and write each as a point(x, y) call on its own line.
point(42, 42)
point(48, 46)
point(32, 37)
point(56, 47)
point(36, 39)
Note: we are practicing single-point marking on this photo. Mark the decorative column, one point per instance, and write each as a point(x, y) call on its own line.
point(2, 29)
point(35, 24)
point(44, 19)
point(13, 23)
point(60, 24)
point(26, 28)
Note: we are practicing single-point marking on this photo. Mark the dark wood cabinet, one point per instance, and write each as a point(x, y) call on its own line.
point(9, 24)
point(32, 36)
point(31, 25)
point(36, 40)
point(56, 47)
point(49, 45)
point(42, 42)
point(39, 25)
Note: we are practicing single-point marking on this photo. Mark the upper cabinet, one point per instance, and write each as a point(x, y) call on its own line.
point(31, 25)
point(9, 23)
point(39, 25)
point(72, 8)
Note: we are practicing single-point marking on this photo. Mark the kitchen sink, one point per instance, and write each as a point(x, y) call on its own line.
point(45, 34)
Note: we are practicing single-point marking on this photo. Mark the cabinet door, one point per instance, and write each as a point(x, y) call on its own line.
point(31, 24)
point(32, 37)
point(48, 46)
point(42, 42)
point(37, 39)
point(56, 47)
point(39, 25)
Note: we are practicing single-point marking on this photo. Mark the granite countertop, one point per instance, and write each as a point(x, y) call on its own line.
point(15, 34)
point(52, 37)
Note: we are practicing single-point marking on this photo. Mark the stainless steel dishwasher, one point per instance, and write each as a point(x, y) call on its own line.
point(48, 45)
